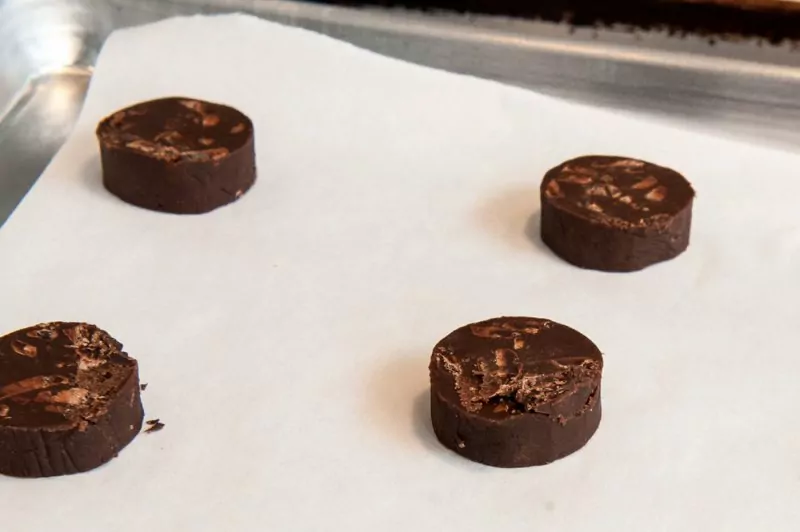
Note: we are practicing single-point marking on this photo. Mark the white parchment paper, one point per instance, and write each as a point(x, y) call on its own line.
point(285, 338)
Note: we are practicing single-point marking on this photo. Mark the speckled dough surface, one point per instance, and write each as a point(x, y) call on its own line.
point(177, 155)
point(615, 213)
point(515, 391)
point(69, 400)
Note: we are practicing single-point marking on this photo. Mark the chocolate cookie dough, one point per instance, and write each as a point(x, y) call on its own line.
point(177, 155)
point(515, 392)
point(69, 400)
point(615, 214)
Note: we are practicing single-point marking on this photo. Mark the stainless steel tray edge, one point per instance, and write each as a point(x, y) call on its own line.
point(47, 48)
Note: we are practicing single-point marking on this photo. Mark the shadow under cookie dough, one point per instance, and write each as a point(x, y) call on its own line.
point(512, 216)
point(399, 406)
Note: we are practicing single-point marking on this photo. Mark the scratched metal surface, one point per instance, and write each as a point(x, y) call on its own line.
point(47, 48)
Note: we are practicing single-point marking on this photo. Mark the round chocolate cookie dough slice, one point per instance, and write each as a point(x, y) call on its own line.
point(177, 155)
point(69, 400)
point(615, 214)
point(515, 392)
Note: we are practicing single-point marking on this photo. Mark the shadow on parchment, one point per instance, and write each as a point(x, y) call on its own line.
point(399, 407)
point(400, 401)
point(92, 176)
point(533, 231)
point(512, 216)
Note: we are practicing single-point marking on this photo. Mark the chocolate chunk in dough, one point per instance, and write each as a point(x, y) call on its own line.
point(69, 400)
point(177, 155)
point(515, 392)
point(615, 214)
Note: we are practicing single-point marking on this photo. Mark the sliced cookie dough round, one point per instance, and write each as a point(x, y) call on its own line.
point(177, 155)
point(515, 391)
point(69, 400)
point(614, 213)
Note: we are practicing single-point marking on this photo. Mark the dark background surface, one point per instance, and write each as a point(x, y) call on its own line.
point(677, 17)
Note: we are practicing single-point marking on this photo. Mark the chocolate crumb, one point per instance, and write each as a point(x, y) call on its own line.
point(143, 387)
point(155, 427)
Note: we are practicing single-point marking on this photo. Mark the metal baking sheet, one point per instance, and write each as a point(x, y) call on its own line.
point(48, 47)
